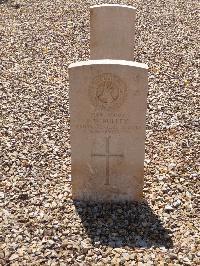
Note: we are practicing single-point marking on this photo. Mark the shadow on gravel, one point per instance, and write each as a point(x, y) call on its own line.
point(119, 225)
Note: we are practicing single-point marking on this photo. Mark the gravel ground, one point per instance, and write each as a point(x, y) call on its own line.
point(39, 222)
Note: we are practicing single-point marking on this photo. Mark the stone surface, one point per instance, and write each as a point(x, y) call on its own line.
point(112, 31)
point(107, 108)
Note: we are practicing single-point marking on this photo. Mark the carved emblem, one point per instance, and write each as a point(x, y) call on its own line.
point(107, 91)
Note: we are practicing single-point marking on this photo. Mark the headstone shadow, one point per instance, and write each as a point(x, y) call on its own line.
point(123, 224)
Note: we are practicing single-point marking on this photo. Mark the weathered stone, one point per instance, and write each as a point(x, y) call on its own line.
point(112, 31)
point(107, 107)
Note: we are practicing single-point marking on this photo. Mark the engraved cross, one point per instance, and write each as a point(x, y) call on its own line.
point(107, 155)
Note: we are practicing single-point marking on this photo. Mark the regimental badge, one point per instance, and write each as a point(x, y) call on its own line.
point(107, 91)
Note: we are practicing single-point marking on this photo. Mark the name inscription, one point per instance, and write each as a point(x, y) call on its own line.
point(99, 122)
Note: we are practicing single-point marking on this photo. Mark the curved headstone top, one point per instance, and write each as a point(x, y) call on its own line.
point(109, 62)
point(112, 31)
point(113, 5)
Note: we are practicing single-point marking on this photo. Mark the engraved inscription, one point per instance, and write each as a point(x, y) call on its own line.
point(107, 91)
point(107, 156)
point(108, 123)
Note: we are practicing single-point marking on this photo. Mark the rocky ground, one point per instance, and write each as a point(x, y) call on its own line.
point(39, 222)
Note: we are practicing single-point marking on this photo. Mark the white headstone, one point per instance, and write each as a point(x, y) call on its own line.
point(112, 31)
point(107, 109)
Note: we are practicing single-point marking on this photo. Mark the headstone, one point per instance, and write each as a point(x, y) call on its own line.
point(112, 29)
point(107, 109)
